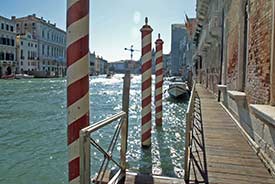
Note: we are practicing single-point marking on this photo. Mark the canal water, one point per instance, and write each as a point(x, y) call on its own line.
point(33, 136)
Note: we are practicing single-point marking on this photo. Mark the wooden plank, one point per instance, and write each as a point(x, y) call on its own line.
point(229, 157)
point(134, 178)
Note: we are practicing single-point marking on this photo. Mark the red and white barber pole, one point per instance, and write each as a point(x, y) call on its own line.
point(77, 80)
point(146, 33)
point(159, 80)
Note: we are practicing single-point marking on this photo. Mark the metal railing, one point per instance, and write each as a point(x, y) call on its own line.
point(86, 140)
point(188, 135)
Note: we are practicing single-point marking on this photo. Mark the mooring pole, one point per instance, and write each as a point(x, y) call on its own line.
point(146, 34)
point(159, 80)
point(77, 80)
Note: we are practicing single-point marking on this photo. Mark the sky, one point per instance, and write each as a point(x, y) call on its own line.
point(114, 24)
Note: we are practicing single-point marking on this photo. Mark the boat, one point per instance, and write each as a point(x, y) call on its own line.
point(23, 76)
point(11, 76)
point(178, 90)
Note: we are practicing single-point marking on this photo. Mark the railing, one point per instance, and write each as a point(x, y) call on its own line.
point(86, 140)
point(189, 124)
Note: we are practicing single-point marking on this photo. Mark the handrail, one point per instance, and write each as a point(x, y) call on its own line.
point(189, 120)
point(86, 140)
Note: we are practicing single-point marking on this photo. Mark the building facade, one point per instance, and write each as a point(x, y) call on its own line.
point(179, 35)
point(27, 54)
point(7, 46)
point(51, 44)
point(98, 65)
point(235, 48)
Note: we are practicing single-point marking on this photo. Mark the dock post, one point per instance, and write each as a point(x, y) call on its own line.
point(77, 81)
point(159, 80)
point(124, 128)
point(146, 69)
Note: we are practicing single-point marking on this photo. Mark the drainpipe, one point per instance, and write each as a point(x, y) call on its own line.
point(222, 42)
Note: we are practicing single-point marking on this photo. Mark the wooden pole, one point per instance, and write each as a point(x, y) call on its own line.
point(159, 80)
point(124, 128)
point(146, 33)
point(77, 80)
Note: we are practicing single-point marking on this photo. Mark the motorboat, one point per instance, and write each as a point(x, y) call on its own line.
point(23, 76)
point(11, 76)
point(178, 89)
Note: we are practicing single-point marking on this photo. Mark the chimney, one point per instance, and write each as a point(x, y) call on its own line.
point(34, 15)
point(13, 17)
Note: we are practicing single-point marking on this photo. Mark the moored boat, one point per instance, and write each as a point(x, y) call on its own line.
point(178, 90)
point(23, 76)
point(11, 76)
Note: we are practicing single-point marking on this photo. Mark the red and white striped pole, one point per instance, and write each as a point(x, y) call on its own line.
point(146, 33)
point(77, 80)
point(159, 80)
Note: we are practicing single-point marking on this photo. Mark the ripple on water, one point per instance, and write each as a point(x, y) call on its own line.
point(33, 135)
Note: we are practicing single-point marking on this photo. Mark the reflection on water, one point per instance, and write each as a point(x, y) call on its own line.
point(33, 130)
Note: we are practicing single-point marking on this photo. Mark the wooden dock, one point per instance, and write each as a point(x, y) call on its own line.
point(222, 152)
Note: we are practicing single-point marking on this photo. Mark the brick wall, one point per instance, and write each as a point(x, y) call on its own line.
point(232, 31)
point(259, 51)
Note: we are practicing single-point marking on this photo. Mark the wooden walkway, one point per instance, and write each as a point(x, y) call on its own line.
point(228, 156)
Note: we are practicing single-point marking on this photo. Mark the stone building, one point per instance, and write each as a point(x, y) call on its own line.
point(179, 34)
point(98, 65)
point(235, 48)
point(7, 46)
point(27, 56)
point(51, 44)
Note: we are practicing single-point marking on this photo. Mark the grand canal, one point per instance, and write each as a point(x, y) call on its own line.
point(33, 135)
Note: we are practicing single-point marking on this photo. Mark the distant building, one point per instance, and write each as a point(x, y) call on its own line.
point(179, 35)
point(7, 46)
point(92, 63)
point(166, 64)
point(122, 65)
point(27, 54)
point(98, 65)
point(51, 44)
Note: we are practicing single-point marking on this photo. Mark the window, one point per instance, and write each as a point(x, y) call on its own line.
point(12, 42)
point(33, 24)
point(22, 54)
point(25, 24)
point(43, 49)
point(35, 45)
point(4, 41)
point(17, 25)
point(7, 27)
point(48, 50)
point(2, 25)
point(2, 55)
point(11, 28)
point(29, 44)
point(43, 34)
point(8, 41)
point(21, 42)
